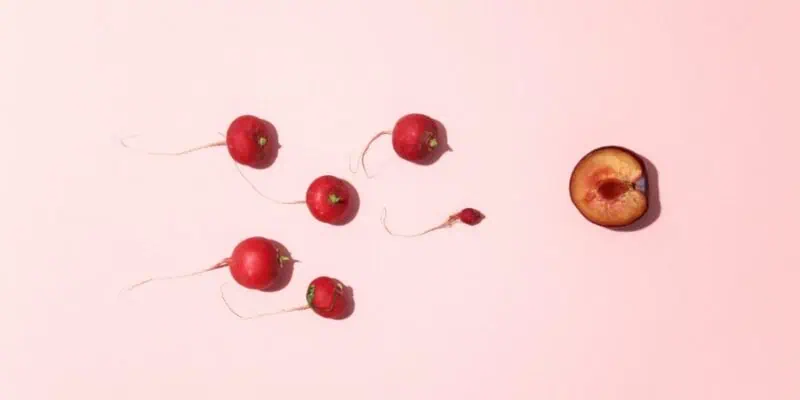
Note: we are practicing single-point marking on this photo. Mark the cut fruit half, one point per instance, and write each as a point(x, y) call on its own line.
point(608, 186)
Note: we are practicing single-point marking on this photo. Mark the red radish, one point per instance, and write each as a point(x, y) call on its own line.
point(248, 142)
point(328, 199)
point(325, 296)
point(469, 216)
point(255, 264)
point(414, 138)
point(247, 139)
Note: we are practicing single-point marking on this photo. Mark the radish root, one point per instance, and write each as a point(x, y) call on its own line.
point(253, 186)
point(452, 220)
point(285, 310)
point(364, 153)
point(180, 153)
point(221, 264)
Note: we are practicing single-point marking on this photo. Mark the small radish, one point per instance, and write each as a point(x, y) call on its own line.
point(248, 140)
point(255, 264)
point(251, 142)
point(328, 198)
point(414, 138)
point(469, 216)
point(325, 296)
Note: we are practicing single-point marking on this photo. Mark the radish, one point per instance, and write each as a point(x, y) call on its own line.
point(255, 263)
point(250, 141)
point(326, 296)
point(330, 200)
point(469, 216)
point(415, 138)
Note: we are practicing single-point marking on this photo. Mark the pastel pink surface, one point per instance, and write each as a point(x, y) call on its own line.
point(533, 303)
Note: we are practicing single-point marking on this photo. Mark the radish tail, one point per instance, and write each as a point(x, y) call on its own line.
point(221, 264)
point(253, 186)
point(350, 165)
point(285, 310)
point(364, 153)
point(180, 153)
point(450, 222)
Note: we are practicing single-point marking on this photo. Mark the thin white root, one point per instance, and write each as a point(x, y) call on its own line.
point(364, 153)
point(180, 153)
point(252, 185)
point(286, 310)
point(221, 264)
point(447, 224)
point(350, 165)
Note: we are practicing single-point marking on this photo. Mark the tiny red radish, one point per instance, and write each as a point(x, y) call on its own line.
point(255, 263)
point(415, 138)
point(469, 216)
point(325, 296)
point(249, 140)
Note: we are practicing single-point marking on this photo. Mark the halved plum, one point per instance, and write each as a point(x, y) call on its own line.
point(608, 186)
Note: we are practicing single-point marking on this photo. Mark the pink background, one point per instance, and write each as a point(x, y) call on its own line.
point(535, 303)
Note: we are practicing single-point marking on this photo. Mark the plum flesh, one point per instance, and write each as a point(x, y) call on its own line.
point(608, 186)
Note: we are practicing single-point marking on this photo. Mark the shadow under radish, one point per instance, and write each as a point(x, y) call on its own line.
point(353, 205)
point(653, 198)
point(272, 154)
point(286, 272)
point(441, 148)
